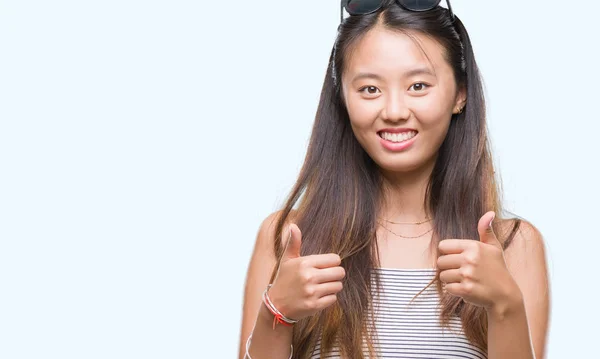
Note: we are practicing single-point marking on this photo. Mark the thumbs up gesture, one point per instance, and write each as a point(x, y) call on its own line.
point(476, 270)
point(305, 285)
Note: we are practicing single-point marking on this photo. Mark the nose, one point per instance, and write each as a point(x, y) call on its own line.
point(395, 108)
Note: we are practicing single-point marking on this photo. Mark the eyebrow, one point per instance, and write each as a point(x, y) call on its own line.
point(413, 72)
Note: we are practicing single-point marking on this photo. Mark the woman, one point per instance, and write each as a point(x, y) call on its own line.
point(397, 247)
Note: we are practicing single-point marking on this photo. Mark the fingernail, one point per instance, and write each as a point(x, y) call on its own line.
point(492, 220)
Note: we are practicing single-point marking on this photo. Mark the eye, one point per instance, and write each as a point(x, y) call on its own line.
point(419, 86)
point(371, 90)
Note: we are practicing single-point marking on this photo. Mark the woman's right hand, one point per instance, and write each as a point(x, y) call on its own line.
point(305, 285)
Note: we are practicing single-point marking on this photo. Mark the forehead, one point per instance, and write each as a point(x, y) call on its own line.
point(392, 53)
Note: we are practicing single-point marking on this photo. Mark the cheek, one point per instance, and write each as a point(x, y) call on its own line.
point(361, 115)
point(434, 125)
point(362, 119)
point(431, 114)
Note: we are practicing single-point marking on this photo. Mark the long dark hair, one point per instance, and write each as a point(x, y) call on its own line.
point(338, 192)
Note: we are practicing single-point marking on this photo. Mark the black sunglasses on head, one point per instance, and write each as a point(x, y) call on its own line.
point(364, 7)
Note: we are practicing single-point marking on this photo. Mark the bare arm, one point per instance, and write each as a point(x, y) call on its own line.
point(519, 328)
point(303, 286)
point(266, 342)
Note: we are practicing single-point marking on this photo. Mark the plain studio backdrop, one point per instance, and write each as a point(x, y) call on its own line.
point(143, 142)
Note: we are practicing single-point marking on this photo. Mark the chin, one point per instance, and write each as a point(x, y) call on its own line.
point(403, 165)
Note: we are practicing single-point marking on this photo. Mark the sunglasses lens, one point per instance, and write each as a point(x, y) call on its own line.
point(419, 5)
point(361, 7)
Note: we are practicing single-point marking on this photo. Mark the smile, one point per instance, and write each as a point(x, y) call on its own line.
point(397, 137)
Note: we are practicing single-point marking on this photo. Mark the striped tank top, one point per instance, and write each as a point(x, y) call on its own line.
point(409, 332)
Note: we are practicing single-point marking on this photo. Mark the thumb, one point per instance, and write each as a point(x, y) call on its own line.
point(486, 233)
point(293, 236)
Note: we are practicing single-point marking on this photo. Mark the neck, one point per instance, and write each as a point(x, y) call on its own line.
point(404, 194)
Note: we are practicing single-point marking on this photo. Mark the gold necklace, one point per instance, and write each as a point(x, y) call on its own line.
point(399, 235)
point(427, 220)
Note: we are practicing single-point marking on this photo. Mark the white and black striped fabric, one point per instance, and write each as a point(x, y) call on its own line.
point(409, 332)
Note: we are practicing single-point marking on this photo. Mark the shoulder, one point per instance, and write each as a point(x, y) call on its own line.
point(512, 232)
point(524, 247)
point(518, 235)
point(267, 231)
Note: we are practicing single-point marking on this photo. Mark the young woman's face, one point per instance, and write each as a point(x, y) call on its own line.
point(400, 103)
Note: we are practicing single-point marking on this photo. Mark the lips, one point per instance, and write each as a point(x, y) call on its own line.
point(398, 139)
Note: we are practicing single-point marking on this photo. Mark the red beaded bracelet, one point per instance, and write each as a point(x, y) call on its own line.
point(278, 317)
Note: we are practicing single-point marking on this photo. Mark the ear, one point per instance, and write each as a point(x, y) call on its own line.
point(461, 99)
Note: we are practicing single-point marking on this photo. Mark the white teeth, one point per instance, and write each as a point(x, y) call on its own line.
point(398, 137)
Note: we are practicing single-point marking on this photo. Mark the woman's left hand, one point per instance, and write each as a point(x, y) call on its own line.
point(476, 270)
